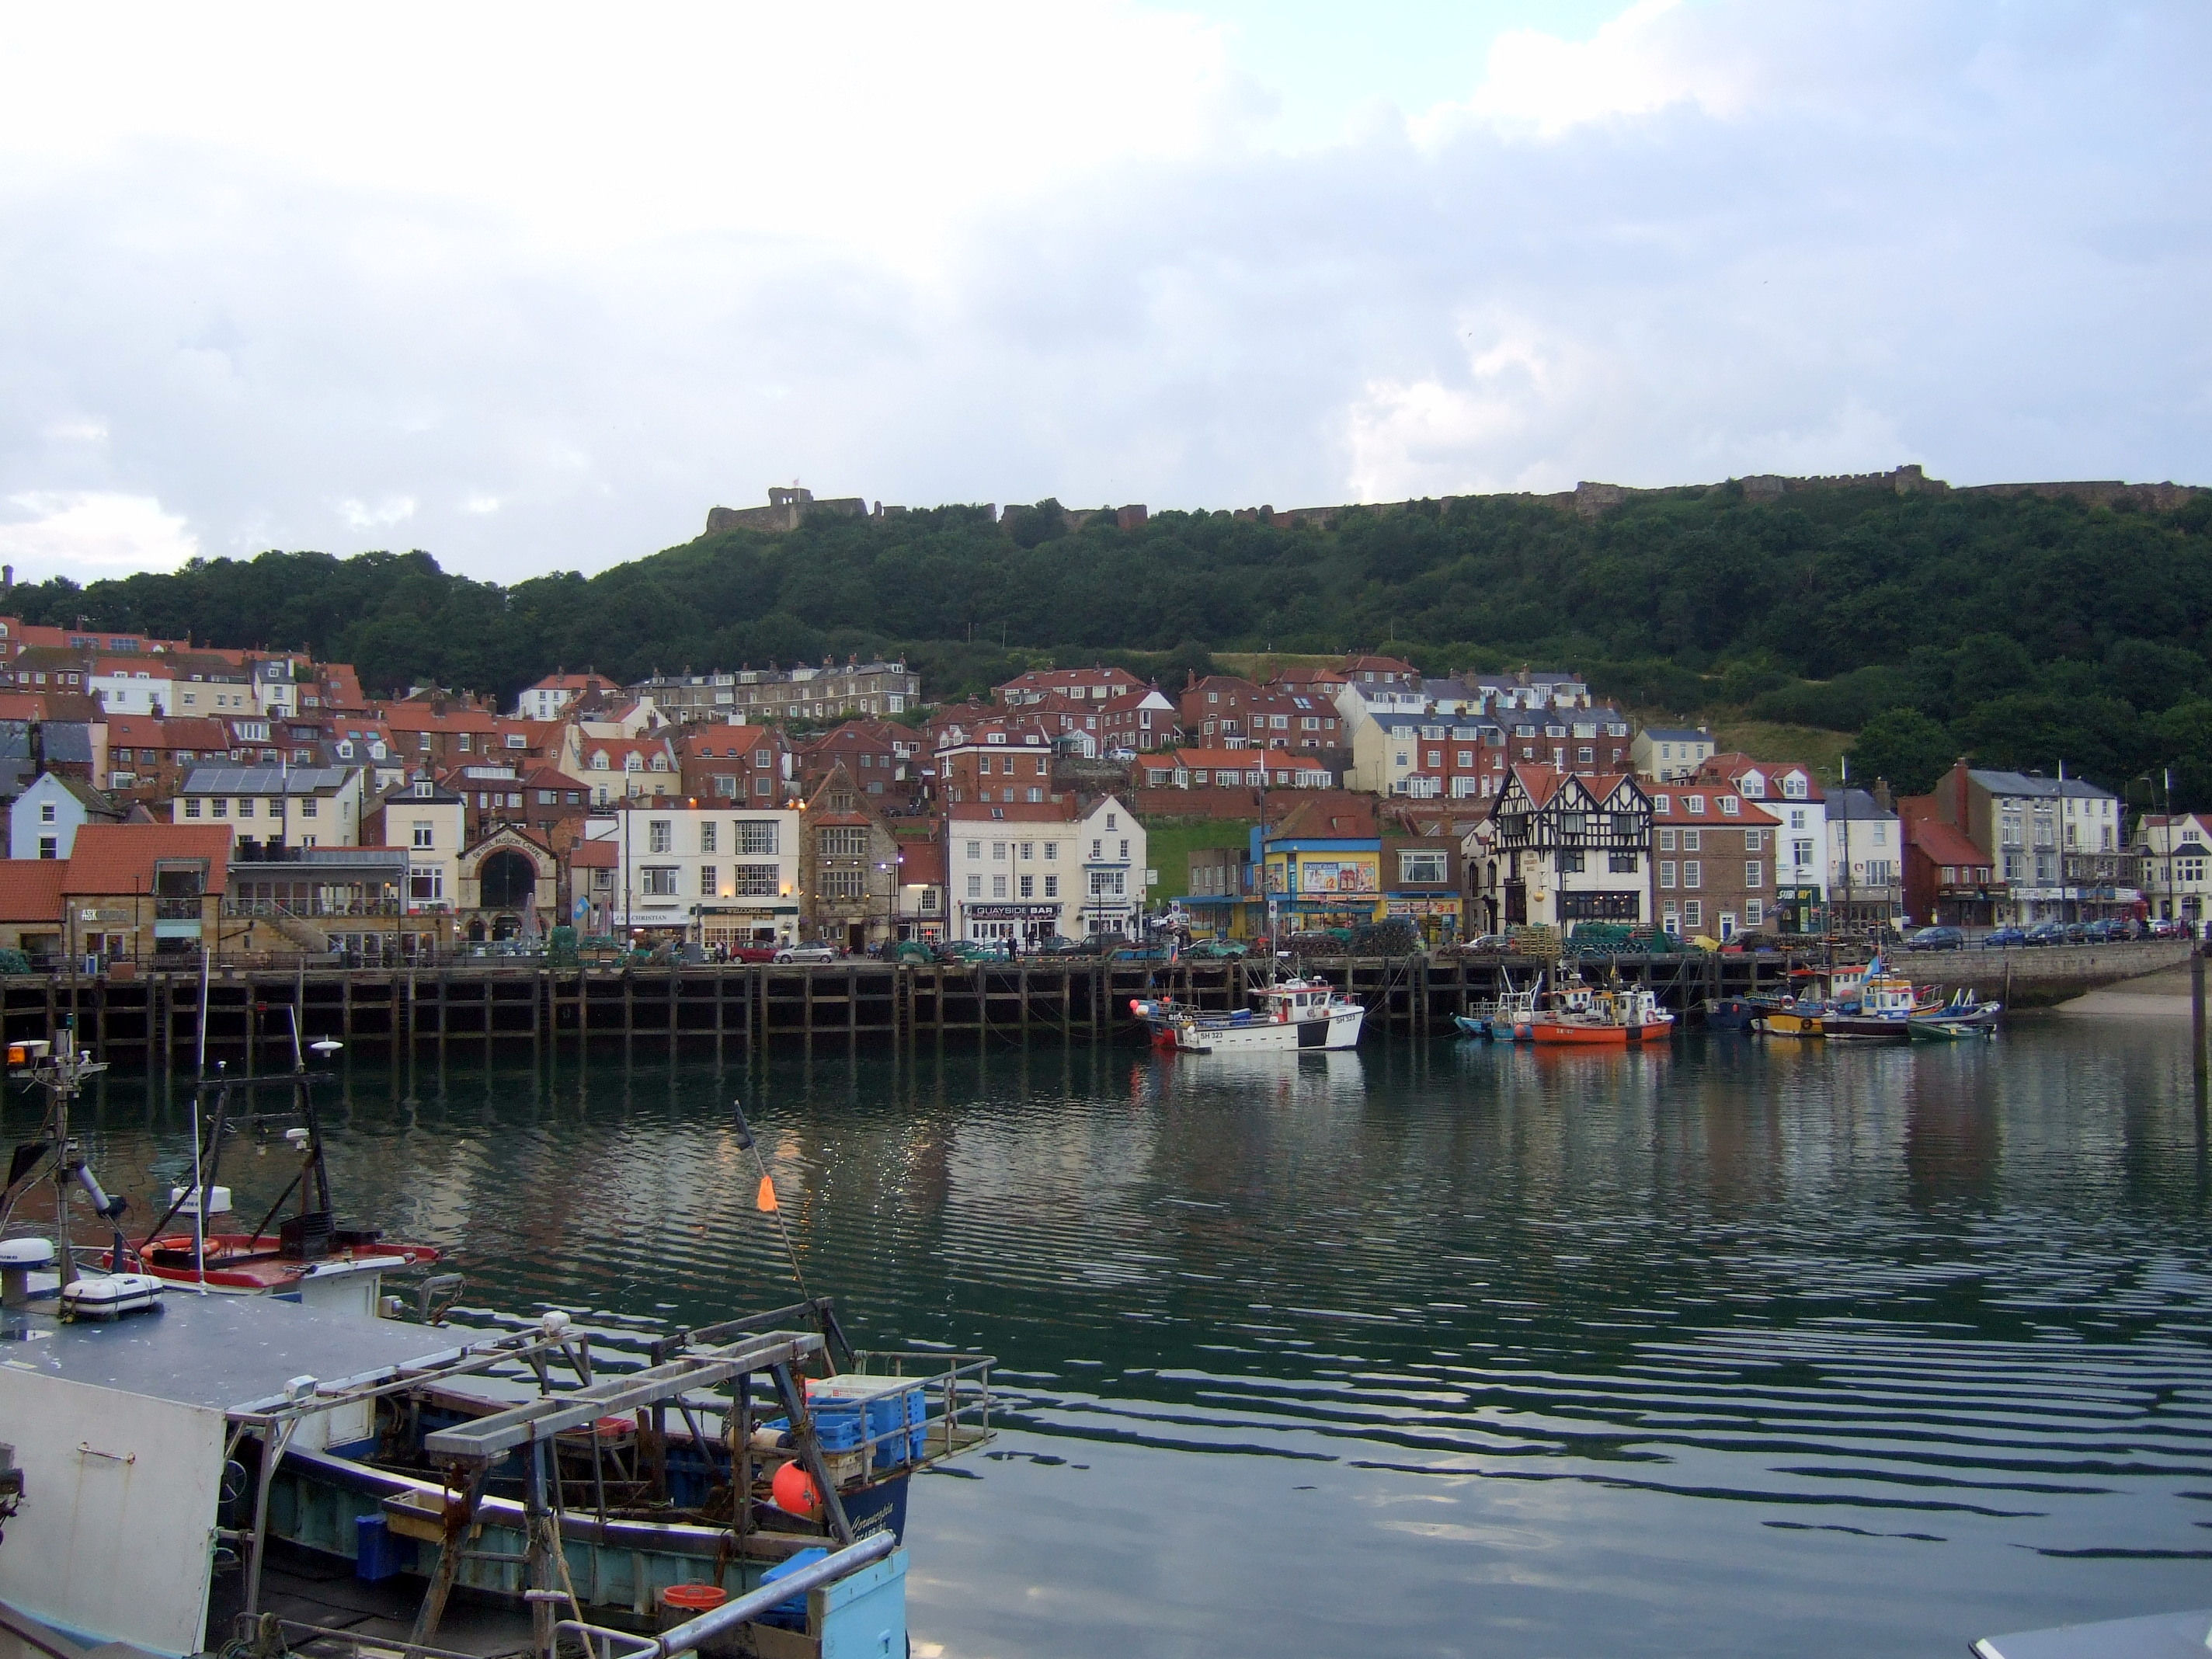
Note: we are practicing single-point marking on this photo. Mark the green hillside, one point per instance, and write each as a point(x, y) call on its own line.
point(2020, 629)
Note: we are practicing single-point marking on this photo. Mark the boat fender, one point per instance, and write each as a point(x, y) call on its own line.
point(794, 1491)
point(553, 1323)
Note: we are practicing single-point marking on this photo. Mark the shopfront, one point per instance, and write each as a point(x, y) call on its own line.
point(732, 925)
point(1011, 924)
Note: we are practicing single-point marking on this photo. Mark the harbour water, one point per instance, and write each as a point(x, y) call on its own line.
point(1743, 1347)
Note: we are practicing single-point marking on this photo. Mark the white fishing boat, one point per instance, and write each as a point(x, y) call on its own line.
point(185, 1472)
point(1296, 1014)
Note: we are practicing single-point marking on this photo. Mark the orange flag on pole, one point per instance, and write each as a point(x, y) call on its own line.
point(766, 1200)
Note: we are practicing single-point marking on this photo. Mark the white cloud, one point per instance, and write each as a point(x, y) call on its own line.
point(392, 510)
point(87, 536)
point(542, 295)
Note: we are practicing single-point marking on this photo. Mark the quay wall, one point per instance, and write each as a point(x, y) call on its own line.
point(2050, 973)
point(153, 1020)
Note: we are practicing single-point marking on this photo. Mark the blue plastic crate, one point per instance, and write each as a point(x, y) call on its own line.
point(378, 1554)
point(792, 1615)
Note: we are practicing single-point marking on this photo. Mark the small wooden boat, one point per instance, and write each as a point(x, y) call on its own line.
point(1934, 1028)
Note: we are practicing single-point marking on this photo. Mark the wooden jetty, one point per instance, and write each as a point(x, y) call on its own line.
point(153, 1018)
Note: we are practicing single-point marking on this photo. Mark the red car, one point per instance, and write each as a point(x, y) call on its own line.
point(753, 952)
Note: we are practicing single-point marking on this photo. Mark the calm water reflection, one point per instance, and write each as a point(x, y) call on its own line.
point(1743, 1349)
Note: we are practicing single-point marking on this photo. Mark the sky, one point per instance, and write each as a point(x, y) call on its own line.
point(532, 286)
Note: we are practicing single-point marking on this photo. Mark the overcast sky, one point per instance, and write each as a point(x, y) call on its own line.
point(534, 286)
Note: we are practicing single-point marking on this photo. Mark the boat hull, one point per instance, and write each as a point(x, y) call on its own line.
point(239, 1265)
point(1872, 1028)
point(1339, 1029)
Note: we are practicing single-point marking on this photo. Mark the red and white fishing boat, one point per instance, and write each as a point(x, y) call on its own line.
point(297, 1244)
point(1603, 1018)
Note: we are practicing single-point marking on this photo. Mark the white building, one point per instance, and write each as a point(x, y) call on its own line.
point(430, 824)
point(546, 699)
point(1024, 872)
point(297, 806)
point(2176, 849)
point(46, 817)
point(1670, 753)
point(1791, 793)
point(715, 876)
point(1866, 859)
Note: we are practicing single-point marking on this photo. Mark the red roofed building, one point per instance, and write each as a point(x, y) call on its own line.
point(921, 858)
point(144, 890)
point(1948, 881)
point(1137, 722)
point(1712, 861)
point(1087, 684)
point(733, 765)
point(880, 756)
point(31, 908)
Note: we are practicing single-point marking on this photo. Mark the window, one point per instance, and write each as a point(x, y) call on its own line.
point(1730, 807)
point(307, 806)
point(846, 883)
point(425, 834)
point(1693, 914)
point(1754, 913)
point(1663, 805)
point(706, 838)
point(1029, 851)
point(1028, 886)
point(755, 837)
point(1754, 873)
point(975, 887)
point(1690, 838)
point(1106, 882)
point(46, 811)
point(1693, 872)
point(1694, 804)
point(1097, 851)
point(658, 880)
point(192, 809)
point(845, 842)
point(998, 852)
point(49, 847)
point(1421, 867)
point(998, 887)
point(246, 806)
point(1570, 861)
point(1666, 841)
point(1125, 849)
point(1796, 817)
point(221, 807)
point(975, 849)
point(1585, 756)
point(1051, 851)
point(1666, 873)
point(1754, 842)
point(426, 883)
point(1620, 864)
point(1052, 886)
point(660, 836)
point(1111, 822)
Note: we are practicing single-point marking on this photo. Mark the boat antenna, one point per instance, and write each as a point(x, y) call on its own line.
point(745, 1140)
point(199, 1186)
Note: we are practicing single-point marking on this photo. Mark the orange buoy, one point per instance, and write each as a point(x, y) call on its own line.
point(793, 1492)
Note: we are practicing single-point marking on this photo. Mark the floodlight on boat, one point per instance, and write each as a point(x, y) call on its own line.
point(327, 1047)
point(295, 1137)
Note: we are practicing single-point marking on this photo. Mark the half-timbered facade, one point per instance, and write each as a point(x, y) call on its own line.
point(1556, 849)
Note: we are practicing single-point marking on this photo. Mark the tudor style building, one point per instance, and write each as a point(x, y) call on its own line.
point(1556, 849)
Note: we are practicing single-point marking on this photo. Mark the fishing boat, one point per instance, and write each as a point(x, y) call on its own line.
point(1729, 1013)
point(1793, 1019)
point(1296, 1014)
point(1934, 1028)
point(1507, 1019)
point(1617, 1017)
point(191, 1472)
point(1885, 1005)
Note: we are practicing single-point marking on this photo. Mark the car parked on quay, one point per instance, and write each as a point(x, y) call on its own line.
point(1936, 939)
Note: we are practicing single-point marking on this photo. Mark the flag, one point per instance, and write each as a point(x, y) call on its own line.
point(766, 1200)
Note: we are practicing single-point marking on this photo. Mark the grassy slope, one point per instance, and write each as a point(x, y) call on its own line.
point(1763, 740)
point(1169, 843)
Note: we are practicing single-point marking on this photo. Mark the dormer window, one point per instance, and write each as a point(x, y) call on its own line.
point(1730, 807)
point(1694, 803)
point(1662, 803)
